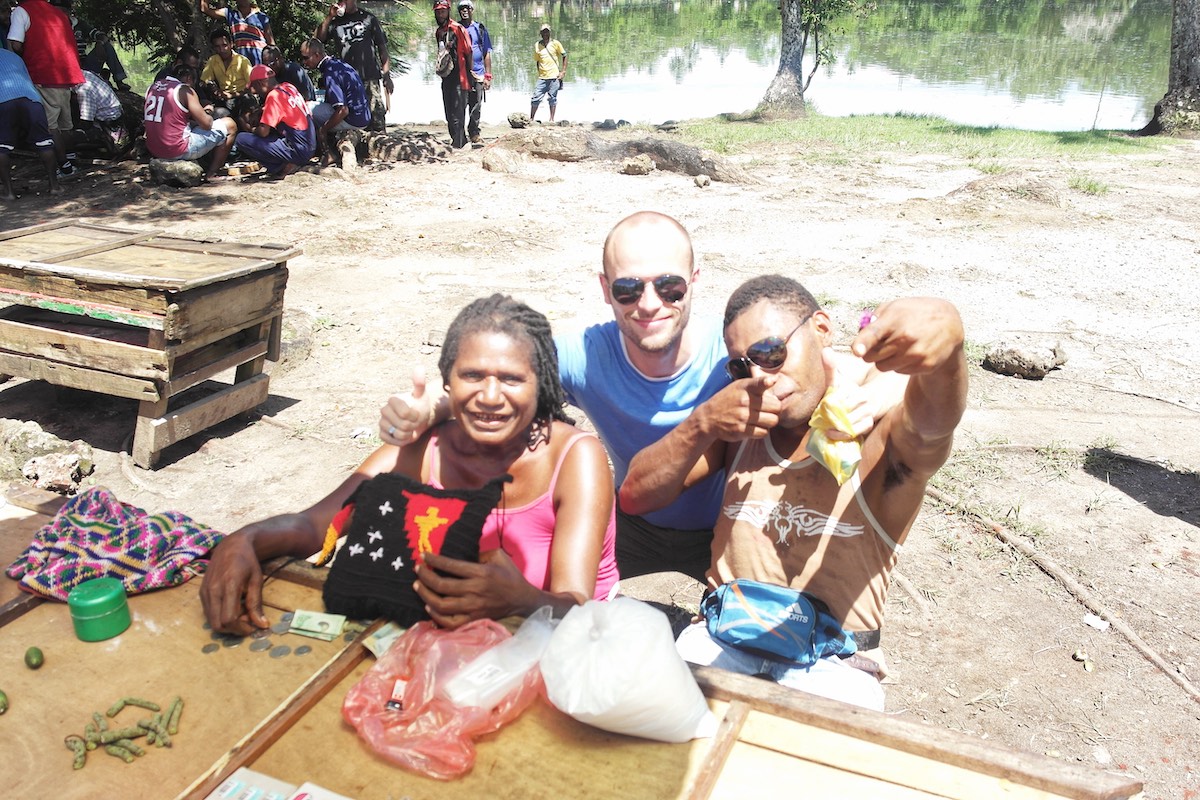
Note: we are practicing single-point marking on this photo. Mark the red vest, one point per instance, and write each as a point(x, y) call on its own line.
point(49, 53)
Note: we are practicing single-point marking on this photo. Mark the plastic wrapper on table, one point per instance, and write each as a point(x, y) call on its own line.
point(427, 733)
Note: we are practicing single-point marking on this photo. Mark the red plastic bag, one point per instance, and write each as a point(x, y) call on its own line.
point(428, 733)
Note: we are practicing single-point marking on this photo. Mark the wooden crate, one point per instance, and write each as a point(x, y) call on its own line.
point(137, 314)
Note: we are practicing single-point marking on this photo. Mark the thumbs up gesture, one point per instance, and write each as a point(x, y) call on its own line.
point(405, 417)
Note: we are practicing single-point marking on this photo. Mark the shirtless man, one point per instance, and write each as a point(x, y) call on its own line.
point(784, 518)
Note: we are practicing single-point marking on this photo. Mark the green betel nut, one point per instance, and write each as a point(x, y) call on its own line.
point(3, 702)
point(34, 658)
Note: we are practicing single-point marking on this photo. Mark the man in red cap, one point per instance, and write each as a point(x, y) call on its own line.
point(456, 83)
point(284, 137)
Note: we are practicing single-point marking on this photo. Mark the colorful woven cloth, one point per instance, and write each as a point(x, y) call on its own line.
point(95, 535)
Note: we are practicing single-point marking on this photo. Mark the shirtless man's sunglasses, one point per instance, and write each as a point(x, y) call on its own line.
point(768, 354)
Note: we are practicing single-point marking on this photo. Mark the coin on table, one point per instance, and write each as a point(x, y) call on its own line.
point(258, 645)
point(211, 647)
point(280, 651)
point(231, 640)
point(281, 627)
point(261, 633)
point(303, 650)
point(287, 616)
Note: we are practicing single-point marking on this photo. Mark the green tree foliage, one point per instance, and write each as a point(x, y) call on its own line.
point(163, 26)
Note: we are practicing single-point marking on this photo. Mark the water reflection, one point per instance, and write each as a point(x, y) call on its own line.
point(1069, 65)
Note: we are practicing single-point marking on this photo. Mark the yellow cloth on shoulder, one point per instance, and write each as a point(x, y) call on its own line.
point(839, 456)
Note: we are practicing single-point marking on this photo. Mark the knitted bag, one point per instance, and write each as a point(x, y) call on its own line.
point(395, 520)
point(95, 535)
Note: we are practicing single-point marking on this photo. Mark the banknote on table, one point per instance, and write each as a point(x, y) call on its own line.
point(317, 624)
point(383, 637)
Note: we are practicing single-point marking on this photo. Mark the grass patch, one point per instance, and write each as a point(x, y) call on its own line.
point(991, 168)
point(1082, 183)
point(974, 352)
point(856, 138)
point(1059, 460)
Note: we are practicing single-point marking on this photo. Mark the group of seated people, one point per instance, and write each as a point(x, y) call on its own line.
point(706, 424)
point(262, 104)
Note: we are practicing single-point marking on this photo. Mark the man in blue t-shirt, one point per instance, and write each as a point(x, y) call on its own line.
point(345, 106)
point(637, 377)
point(481, 66)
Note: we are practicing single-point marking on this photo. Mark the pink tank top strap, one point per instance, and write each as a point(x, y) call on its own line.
point(566, 449)
point(433, 462)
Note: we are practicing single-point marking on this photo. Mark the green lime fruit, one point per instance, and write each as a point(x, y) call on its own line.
point(34, 658)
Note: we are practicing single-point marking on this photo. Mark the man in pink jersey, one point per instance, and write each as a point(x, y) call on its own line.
point(177, 126)
point(284, 137)
point(785, 519)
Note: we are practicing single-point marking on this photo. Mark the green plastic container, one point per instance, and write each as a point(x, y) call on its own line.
point(99, 609)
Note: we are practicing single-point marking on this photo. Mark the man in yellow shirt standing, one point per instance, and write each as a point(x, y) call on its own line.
point(551, 61)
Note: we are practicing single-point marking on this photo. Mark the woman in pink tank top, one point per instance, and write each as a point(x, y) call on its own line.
point(551, 539)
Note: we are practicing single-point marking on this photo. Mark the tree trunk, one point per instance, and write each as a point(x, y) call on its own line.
point(169, 23)
point(786, 92)
point(1179, 111)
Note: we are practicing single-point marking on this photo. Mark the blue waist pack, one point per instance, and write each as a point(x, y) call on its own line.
point(775, 622)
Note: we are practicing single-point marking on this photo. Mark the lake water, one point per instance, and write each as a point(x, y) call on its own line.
point(1067, 65)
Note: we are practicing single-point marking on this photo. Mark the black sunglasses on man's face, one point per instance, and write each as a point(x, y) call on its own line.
point(670, 289)
point(768, 354)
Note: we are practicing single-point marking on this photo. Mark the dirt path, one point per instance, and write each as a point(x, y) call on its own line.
point(1095, 467)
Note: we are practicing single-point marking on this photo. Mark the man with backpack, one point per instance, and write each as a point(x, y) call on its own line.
point(481, 66)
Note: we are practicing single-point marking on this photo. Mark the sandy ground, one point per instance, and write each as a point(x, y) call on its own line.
point(1095, 467)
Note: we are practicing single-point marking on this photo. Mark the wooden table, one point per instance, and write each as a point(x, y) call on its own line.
point(282, 717)
point(137, 314)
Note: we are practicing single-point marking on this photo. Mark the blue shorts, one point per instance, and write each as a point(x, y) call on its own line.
point(545, 86)
point(199, 142)
point(23, 121)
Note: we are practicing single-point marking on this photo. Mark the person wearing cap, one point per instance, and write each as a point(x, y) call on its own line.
point(481, 66)
point(345, 106)
point(284, 137)
point(356, 36)
point(22, 119)
point(456, 83)
point(178, 128)
point(551, 61)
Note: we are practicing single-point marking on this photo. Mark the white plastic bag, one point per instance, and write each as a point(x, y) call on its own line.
point(614, 665)
point(484, 681)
